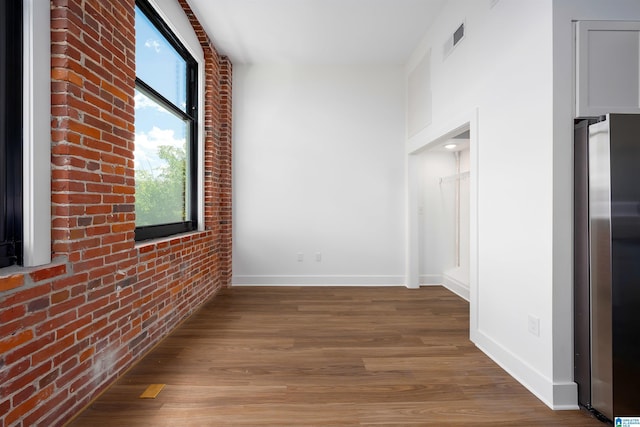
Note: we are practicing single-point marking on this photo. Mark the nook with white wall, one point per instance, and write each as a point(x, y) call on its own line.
point(318, 175)
point(443, 176)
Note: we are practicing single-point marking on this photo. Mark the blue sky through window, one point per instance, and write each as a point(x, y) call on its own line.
point(155, 126)
point(162, 68)
point(158, 64)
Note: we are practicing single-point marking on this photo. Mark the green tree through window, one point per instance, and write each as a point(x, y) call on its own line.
point(161, 197)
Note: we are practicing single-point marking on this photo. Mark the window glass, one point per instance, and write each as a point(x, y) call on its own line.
point(165, 135)
point(11, 55)
point(161, 157)
point(158, 63)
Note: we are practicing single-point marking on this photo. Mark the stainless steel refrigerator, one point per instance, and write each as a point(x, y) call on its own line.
point(607, 264)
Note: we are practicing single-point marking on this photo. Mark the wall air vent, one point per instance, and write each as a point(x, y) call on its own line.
point(454, 40)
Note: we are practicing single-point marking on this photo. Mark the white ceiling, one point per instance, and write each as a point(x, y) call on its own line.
point(316, 31)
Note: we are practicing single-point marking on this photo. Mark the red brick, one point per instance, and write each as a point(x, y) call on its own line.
point(66, 75)
point(26, 295)
point(54, 402)
point(113, 158)
point(56, 407)
point(38, 304)
point(71, 328)
point(11, 282)
point(84, 106)
point(99, 188)
point(49, 378)
point(13, 371)
point(9, 343)
point(23, 395)
point(70, 352)
point(83, 129)
point(50, 351)
point(28, 349)
point(12, 314)
point(18, 325)
point(79, 152)
point(27, 406)
point(93, 307)
point(59, 296)
point(29, 376)
point(99, 209)
point(97, 252)
point(86, 354)
point(67, 305)
point(70, 374)
point(113, 90)
point(4, 408)
point(97, 102)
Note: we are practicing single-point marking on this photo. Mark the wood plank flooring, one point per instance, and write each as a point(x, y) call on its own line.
point(324, 356)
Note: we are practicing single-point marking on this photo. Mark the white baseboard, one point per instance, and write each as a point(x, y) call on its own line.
point(557, 396)
point(456, 286)
point(318, 281)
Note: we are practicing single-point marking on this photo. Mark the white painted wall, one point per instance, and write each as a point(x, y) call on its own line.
point(465, 213)
point(419, 95)
point(503, 68)
point(437, 218)
point(318, 167)
point(436, 215)
point(515, 66)
point(456, 275)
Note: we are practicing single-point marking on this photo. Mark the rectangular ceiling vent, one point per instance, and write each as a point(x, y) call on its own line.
point(454, 40)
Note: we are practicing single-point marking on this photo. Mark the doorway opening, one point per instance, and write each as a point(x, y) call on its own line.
point(434, 262)
point(443, 199)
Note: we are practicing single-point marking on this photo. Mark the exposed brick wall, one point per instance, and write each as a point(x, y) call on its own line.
point(218, 154)
point(69, 329)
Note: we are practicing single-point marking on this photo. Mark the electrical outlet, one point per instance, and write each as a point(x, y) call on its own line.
point(318, 256)
point(300, 257)
point(534, 325)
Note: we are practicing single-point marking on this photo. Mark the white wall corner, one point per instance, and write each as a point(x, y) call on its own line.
point(565, 396)
point(304, 188)
point(431, 280)
point(556, 395)
point(456, 286)
point(412, 253)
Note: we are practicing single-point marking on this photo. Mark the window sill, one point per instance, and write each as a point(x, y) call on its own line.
point(169, 240)
point(15, 276)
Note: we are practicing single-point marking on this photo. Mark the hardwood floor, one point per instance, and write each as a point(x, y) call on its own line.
point(324, 357)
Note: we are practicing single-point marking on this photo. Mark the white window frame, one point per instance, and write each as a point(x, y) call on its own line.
point(36, 133)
